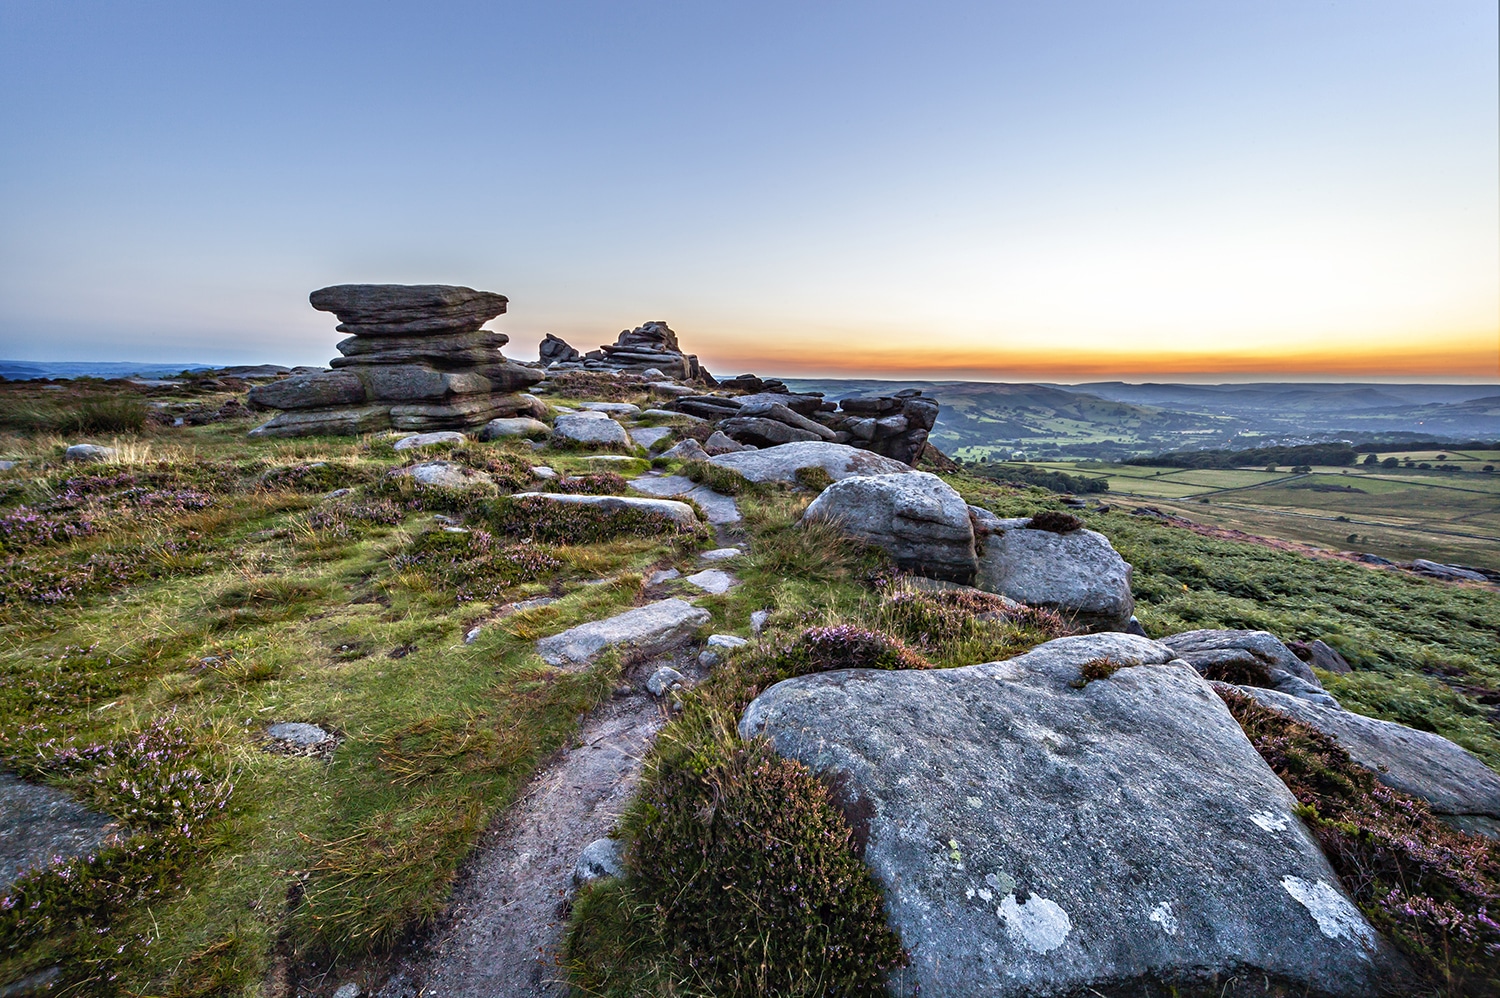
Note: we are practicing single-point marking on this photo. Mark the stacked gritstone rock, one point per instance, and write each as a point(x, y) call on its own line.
point(652, 346)
point(417, 360)
point(894, 426)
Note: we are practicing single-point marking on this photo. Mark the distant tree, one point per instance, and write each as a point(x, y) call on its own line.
point(1489, 467)
point(1411, 464)
point(1352, 538)
point(1424, 466)
point(1271, 468)
point(1371, 459)
point(1442, 457)
point(1391, 462)
point(1302, 469)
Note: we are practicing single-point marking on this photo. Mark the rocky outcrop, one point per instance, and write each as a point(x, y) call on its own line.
point(1249, 658)
point(1039, 833)
point(894, 426)
point(590, 427)
point(645, 630)
point(650, 347)
point(1460, 789)
point(781, 464)
point(1077, 573)
point(417, 360)
point(916, 517)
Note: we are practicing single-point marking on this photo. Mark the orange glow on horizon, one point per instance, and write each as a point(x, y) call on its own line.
point(1476, 357)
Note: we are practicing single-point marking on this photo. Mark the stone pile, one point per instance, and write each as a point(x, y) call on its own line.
point(417, 359)
point(894, 426)
point(649, 347)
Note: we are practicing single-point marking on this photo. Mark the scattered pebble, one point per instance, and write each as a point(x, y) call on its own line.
point(599, 859)
point(473, 635)
point(7, 465)
point(713, 580)
point(727, 641)
point(665, 575)
point(298, 733)
point(350, 990)
point(663, 679)
point(720, 554)
point(88, 452)
point(758, 621)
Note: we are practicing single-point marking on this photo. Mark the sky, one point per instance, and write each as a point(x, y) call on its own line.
point(1066, 190)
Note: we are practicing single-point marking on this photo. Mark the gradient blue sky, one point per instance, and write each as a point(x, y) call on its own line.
point(1005, 190)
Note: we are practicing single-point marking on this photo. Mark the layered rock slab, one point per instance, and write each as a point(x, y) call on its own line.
point(781, 464)
point(645, 630)
point(1218, 653)
point(1459, 787)
point(1038, 835)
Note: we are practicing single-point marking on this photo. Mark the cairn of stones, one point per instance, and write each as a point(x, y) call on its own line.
point(416, 359)
point(652, 346)
point(894, 426)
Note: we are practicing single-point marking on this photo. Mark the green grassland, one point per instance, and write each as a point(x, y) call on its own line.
point(159, 612)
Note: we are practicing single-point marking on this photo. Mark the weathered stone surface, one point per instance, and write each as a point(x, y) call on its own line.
point(678, 512)
point(298, 733)
point(915, 516)
point(513, 426)
point(419, 440)
point(1079, 574)
point(612, 408)
point(1460, 787)
point(720, 554)
point(717, 508)
point(458, 413)
point(712, 580)
point(645, 630)
point(599, 859)
point(686, 450)
point(590, 428)
point(645, 436)
point(407, 309)
point(782, 413)
point(312, 422)
point(1038, 835)
point(555, 350)
point(1211, 651)
point(763, 432)
point(453, 348)
point(414, 383)
point(662, 681)
point(1450, 573)
point(85, 453)
point(310, 391)
point(719, 442)
point(39, 822)
point(1322, 655)
point(780, 464)
point(446, 475)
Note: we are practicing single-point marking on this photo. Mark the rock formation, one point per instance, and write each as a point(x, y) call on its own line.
point(895, 426)
point(649, 347)
point(915, 516)
point(1037, 832)
point(417, 359)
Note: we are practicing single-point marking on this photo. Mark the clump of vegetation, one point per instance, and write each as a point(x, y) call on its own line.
point(342, 520)
point(744, 880)
point(963, 626)
point(317, 476)
point(597, 385)
point(89, 414)
point(1095, 669)
point(547, 521)
point(814, 479)
point(1055, 522)
point(1239, 670)
point(720, 479)
point(1428, 887)
point(1335, 454)
point(598, 483)
point(471, 564)
point(1052, 481)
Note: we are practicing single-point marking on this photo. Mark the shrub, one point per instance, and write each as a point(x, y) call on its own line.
point(961, 627)
point(87, 415)
point(597, 385)
point(1096, 669)
point(547, 521)
point(1055, 522)
point(319, 476)
point(1430, 888)
point(599, 483)
point(471, 564)
point(752, 880)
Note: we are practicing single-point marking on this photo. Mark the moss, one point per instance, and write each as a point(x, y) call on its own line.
point(1096, 669)
point(720, 479)
point(1433, 890)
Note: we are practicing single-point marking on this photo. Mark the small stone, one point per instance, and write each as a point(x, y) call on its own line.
point(708, 658)
point(1133, 626)
point(298, 733)
point(727, 641)
point(654, 374)
point(349, 990)
point(599, 859)
point(7, 465)
point(612, 408)
point(713, 580)
point(663, 679)
point(686, 450)
point(648, 435)
point(665, 575)
point(437, 439)
point(445, 519)
point(88, 452)
point(336, 493)
point(446, 475)
point(473, 635)
point(719, 442)
point(720, 554)
point(542, 471)
point(513, 426)
point(758, 621)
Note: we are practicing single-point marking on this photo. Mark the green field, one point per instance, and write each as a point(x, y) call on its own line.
point(1398, 513)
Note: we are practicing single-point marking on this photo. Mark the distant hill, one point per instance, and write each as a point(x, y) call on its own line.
point(27, 370)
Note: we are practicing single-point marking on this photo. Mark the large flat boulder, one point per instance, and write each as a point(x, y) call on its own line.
point(1039, 834)
point(914, 516)
point(1078, 573)
point(717, 508)
point(781, 463)
point(679, 513)
point(1460, 788)
point(646, 630)
point(1255, 658)
point(408, 309)
point(590, 427)
point(334, 422)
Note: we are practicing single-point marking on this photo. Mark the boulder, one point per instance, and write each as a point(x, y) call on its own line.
point(646, 630)
point(1448, 573)
point(445, 475)
point(513, 426)
point(590, 428)
point(1039, 834)
point(781, 464)
point(333, 422)
point(39, 823)
point(763, 407)
point(444, 348)
point(761, 431)
point(87, 453)
point(679, 513)
point(599, 859)
point(914, 516)
point(717, 508)
point(1460, 788)
point(472, 410)
point(407, 309)
point(1233, 656)
point(555, 350)
point(612, 408)
point(645, 436)
point(1079, 574)
point(714, 581)
point(686, 450)
point(310, 391)
point(418, 440)
point(719, 442)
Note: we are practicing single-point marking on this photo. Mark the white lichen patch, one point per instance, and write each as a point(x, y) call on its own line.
point(975, 802)
point(986, 895)
point(1037, 924)
point(1162, 915)
point(1268, 822)
point(1337, 918)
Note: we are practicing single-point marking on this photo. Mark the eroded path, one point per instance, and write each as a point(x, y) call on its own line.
point(506, 919)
